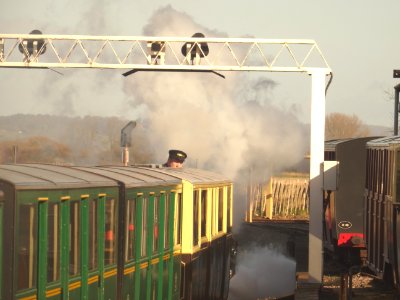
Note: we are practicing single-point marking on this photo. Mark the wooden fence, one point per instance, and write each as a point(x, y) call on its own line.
point(282, 197)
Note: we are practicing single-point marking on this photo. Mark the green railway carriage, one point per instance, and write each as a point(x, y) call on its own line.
point(149, 259)
point(53, 221)
point(114, 232)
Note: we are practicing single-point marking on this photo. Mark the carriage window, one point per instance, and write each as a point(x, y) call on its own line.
point(166, 222)
point(390, 170)
point(178, 220)
point(74, 253)
point(130, 230)
point(156, 224)
point(228, 204)
point(53, 251)
point(385, 174)
point(143, 243)
point(398, 175)
point(93, 236)
point(203, 213)
point(195, 218)
point(111, 232)
point(220, 208)
point(27, 238)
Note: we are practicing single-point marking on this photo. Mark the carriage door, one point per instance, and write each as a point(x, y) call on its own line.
point(49, 255)
point(72, 257)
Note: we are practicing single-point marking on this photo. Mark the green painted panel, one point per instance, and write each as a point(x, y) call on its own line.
point(151, 279)
point(143, 279)
point(110, 291)
point(84, 231)
point(101, 233)
point(64, 249)
point(128, 286)
point(149, 242)
point(42, 251)
point(165, 293)
point(153, 274)
point(160, 277)
point(139, 217)
point(75, 293)
point(93, 288)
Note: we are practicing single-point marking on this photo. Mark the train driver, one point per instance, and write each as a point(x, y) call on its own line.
point(175, 159)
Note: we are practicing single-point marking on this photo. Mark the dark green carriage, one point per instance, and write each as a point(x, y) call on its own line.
point(113, 233)
point(150, 256)
point(53, 233)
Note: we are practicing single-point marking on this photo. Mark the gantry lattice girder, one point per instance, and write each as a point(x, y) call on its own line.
point(160, 53)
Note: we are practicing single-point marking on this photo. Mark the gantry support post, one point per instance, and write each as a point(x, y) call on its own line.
point(315, 246)
point(396, 109)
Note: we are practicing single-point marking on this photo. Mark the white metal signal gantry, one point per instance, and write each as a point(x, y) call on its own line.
point(160, 53)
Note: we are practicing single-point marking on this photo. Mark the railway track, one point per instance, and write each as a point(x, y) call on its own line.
point(258, 220)
point(281, 233)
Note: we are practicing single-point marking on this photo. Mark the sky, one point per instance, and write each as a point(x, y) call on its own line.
point(356, 37)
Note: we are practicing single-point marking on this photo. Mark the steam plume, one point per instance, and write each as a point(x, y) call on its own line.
point(261, 273)
point(227, 125)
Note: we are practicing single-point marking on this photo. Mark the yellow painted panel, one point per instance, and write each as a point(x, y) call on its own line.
point(187, 217)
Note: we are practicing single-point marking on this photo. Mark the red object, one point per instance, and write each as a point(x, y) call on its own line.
point(131, 227)
point(345, 239)
point(156, 231)
point(109, 235)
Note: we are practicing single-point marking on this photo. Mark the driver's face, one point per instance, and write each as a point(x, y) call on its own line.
point(175, 164)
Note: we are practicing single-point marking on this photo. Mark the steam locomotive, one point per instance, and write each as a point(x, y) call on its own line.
point(363, 212)
point(114, 232)
point(343, 229)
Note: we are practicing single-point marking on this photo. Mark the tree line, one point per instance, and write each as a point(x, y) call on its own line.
point(67, 140)
point(96, 140)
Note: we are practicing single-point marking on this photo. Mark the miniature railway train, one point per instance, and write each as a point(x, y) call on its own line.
point(364, 211)
point(114, 232)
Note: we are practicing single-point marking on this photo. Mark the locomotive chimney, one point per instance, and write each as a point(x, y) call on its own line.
point(126, 141)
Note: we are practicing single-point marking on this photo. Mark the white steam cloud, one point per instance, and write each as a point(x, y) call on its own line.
point(261, 273)
point(230, 125)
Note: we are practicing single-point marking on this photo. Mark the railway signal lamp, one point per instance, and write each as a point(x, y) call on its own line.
point(195, 51)
point(156, 53)
point(32, 48)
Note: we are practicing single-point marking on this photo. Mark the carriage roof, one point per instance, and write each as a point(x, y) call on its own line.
point(385, 141)
point(148, 175)
point(46, 176)
point(43, 176)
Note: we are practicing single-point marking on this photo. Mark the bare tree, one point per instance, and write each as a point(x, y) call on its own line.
point(36, 149)
point(340, 126)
